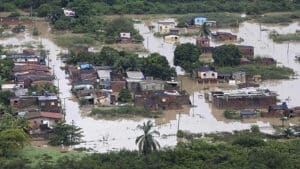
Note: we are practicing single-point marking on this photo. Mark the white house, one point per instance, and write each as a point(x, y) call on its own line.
point(68, 12)
point(125, 35)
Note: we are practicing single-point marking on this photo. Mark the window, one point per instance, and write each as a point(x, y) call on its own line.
point(204, 74)
point(52, 103)
point(213, 74)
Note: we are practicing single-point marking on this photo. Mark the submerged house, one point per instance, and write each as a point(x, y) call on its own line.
point(246, 51)
point(162, 100)
point(151, 85)
point(204, 43)
point(198, 20)
point(165, 26)
point(247, 113)
point(43, 119)
point(22, 58)
point(239, 77)
point(133, 79)
point(171, 38)
point(49, 103)
point(223, 36)
point(205, 74)
point(104, 78)
point(243, 99)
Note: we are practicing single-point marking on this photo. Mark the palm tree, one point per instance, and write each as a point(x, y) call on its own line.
point(146, 142)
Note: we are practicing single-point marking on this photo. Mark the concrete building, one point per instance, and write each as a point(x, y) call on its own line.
point(164, 26)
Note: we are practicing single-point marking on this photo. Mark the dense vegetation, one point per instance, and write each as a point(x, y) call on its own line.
point(285, 37)
point(123, 112)
point(154, 65)
point(266, 72)
point(227, 55)
point(187, 56)
point(65, 134)
point(241, 152)
point(153, 6)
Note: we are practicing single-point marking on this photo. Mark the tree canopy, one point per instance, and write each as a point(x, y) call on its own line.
point(65, 134)
point(187, 56)
point(158, 66)
point(227, 55)
point(125, 96)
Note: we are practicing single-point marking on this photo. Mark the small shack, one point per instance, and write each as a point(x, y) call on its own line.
point(125, 37)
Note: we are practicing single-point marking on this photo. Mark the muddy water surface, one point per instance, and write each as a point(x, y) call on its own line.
point(109, 135)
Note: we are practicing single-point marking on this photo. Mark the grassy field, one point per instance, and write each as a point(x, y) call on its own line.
point(34, 154)
point(266, 72)
point(74, 40)
point(293, 37)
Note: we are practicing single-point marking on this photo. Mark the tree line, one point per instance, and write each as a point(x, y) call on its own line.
point(157, 6)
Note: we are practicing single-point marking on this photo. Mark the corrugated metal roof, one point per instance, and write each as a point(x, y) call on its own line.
point(135, 75)
point(103, 73)
point(41, 98)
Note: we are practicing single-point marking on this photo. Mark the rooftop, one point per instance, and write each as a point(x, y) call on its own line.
point(50, 115)
point(103, 73)
point(244, 93)
point(137, 75)
point(247, 112)
point(43, 98)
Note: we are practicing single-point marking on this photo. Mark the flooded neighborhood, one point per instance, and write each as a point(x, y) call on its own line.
point(149, 84)
point(106, 135)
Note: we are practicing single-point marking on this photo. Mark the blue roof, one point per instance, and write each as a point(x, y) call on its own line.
point(247, 112)
point(85, 66)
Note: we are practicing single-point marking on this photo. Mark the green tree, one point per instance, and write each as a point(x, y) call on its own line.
point(108, 56)
point(116, 26)
point(65, 134)
point(255, 129)
point(43, 10)
point(125, 96)
point(6, 67)
point(41, 88)
point(146, 142)
point(187, 56)
point(11, 140)
point(128, 61)
point(8, 121)
point(227, 55)
point(288, 132)
point(158, 66)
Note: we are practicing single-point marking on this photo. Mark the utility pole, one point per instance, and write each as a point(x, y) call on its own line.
point(58, 86)
point(178, 122)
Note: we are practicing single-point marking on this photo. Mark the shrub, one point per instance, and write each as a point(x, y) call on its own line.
point(249, 141)
point(230, 114)
point(255, 129)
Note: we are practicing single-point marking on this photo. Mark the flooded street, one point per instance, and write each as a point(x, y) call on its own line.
point(109, 135)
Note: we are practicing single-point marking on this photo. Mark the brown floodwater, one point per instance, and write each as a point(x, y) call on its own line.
point(104, 135)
